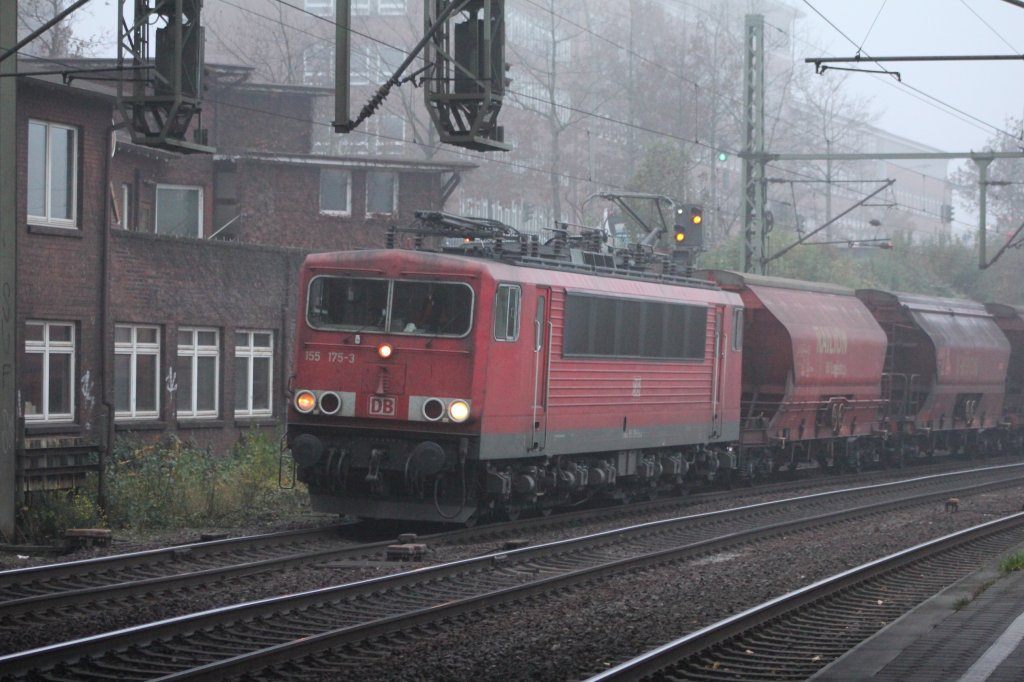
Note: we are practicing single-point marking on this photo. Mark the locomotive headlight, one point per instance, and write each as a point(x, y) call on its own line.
point(385, 350)
point(330, 402)
point(458, 411)
point(433, 409)
point(305, 401)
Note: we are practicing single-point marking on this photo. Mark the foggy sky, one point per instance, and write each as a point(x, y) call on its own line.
point(985, 92)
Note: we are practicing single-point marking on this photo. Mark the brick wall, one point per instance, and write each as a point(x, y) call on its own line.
point(138, 171)
point(280, 204)
point(171, 283)
point(59, 277)
point(259, 120)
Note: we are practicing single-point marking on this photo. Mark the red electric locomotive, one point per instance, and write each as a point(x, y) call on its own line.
point(446, 387)
point(493, 375)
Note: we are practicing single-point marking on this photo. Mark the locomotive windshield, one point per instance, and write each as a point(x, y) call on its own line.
point(361, 304)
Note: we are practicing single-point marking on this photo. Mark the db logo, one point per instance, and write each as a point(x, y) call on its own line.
point(382, 407)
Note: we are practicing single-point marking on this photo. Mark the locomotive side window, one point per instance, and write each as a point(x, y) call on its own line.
point(737, 328)
point(599, 326)
point(506, 312)
point(395, 306)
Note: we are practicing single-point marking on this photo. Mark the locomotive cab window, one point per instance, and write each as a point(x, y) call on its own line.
point(347, 303)
point(394, 306)
point(506, 312)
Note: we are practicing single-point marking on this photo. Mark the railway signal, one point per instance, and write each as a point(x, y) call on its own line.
point(689, 226)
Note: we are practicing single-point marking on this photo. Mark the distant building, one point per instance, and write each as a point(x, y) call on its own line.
point(593, 87)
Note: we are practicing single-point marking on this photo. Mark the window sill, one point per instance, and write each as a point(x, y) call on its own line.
point(50, 428)
point(139, 425)
point(249, 422)
point(198, 423)
point(54, 231)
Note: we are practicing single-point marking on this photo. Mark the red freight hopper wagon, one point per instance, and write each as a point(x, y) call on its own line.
point(432, 386)
point(813, 355)
point(1011, 321)
point(946, 369)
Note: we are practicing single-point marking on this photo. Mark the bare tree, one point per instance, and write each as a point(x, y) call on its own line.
point(61, 40)
point(278, 41)
point(540, 74)
point(1005, 198)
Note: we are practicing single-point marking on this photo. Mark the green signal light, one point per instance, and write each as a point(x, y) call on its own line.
point(722, 156)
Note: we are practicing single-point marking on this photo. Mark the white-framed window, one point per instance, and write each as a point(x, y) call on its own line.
point(318, 65)
point(361, 66)
point(391, 7)
point(391, 130)
point(179, 210)
point(388, 60)
point(198, 372)
point(356, 143)
point(254, 373)
point(48, 388)
point(381, 193)
point(52, 190)
point(136, 371)
point(126, 204)
point(335, 191)
point(322, 8)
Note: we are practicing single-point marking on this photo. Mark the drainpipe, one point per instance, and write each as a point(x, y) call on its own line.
point(106, 374)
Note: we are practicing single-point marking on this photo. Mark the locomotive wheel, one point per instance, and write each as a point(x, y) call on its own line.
point(512, 513)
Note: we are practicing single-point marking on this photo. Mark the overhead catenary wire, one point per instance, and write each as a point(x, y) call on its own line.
point(902, 82)
point(872, 27)
point(491, 159)
point(582, 112)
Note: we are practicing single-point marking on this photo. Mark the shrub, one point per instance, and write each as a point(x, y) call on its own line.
point(46, 514)
point(176, 485)
point(250, 484)
point(1014, 562)
point(169, 485)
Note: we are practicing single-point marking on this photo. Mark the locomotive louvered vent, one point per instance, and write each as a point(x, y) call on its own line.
point(601, 260)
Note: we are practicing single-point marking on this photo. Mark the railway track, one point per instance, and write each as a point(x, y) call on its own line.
point(247, 637)
point(794, 636)
point(51, 592)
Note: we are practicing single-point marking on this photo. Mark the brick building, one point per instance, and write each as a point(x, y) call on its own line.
point(157, 291)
